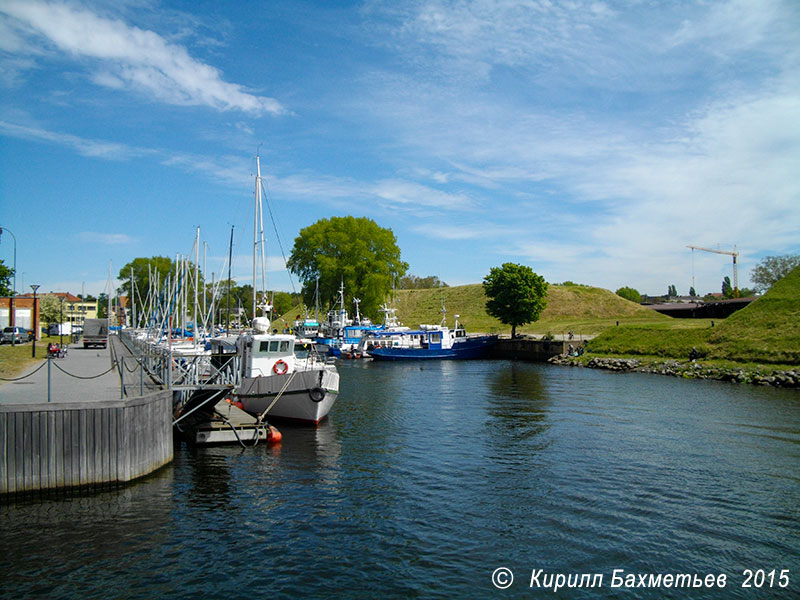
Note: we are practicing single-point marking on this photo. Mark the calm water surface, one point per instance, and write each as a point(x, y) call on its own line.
point(429, 476)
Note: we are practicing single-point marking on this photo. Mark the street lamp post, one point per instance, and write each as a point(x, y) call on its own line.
point(35, 321)
point(14, 291)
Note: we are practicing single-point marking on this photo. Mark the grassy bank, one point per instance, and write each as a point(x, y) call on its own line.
point(766, 332)
point(584, 310)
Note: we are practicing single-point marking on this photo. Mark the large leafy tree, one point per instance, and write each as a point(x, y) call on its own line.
point(143, 270)
point(515, 295)
point(349, 250)
point(771, 269)
point(6, 274)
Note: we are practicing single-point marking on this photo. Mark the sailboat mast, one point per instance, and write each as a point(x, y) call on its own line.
point(256, 210)
point(196, 284)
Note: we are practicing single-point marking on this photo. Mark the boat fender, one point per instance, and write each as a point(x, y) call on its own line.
point(316, 394)
point(274, 436)
point(280, 367)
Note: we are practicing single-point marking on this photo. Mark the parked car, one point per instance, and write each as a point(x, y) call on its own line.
point(17, 335)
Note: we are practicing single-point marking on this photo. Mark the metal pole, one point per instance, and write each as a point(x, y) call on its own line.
point(34, 322)
point(11, 320)
point(121, 377)
point(141, 376)
point(49, 360)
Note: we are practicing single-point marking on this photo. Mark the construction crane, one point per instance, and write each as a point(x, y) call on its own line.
point(735, 256)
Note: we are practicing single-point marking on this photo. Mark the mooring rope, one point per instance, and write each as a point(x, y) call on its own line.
point(113, 366)
point(24, 376)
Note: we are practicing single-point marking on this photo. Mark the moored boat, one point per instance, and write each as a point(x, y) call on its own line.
point(427, 342)
point(281, 379)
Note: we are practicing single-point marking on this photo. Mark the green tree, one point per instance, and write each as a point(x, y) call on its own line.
point(727, 289)
point(516, 295)
point(6, 275)
point(771, 269)
point(156, 267)
point(50, 309)
point(102, 306)
point(282, 302)
point(352, 251)
point(692, 293)
point(412, 282)
point(672, 291)
point(629, 294)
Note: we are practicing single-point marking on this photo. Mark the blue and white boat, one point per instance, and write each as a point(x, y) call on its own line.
point(427, 342)
point(343, 335)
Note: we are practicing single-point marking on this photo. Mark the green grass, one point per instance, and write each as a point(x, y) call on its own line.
point(582, 309)
point(766, 331)
point(15, 359)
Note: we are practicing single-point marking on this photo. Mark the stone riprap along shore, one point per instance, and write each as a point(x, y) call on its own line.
point(687, 369)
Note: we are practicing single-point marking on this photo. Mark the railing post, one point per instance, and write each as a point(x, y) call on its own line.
point(141, 376)
point(49, 358)
point(121, 377)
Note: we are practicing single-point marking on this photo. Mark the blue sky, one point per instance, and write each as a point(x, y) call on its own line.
point(592, 141)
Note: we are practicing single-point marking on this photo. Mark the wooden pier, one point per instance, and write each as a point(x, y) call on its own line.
point(81, 433)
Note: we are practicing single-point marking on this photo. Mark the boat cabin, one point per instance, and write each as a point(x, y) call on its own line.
point(265, 355)
point(429, 337)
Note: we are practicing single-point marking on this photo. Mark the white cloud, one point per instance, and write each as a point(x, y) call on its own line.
point(86, 147)
point(130, 57)
point(111, 239)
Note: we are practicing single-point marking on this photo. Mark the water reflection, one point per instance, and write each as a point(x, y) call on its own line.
point(53, 544)
point(426, 475)
point(519, 404)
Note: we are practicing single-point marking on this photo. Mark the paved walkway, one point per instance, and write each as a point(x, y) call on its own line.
point(72, 378)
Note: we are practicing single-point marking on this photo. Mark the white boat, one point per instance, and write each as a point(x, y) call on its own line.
point(282, 378)
point(279, 376)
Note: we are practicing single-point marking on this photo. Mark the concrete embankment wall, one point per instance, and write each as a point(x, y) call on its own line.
point(53, 446)
point(528, 349)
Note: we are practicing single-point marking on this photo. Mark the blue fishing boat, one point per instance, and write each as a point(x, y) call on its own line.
point(427, 342)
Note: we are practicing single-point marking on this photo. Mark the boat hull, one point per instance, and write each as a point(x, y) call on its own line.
point(308, 395)
point(473, 348)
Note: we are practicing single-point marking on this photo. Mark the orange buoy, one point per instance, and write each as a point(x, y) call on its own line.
point(238, 404)
point(274, 436)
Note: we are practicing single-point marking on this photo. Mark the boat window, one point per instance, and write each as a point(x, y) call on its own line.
point(436, 337)
point(274, 346)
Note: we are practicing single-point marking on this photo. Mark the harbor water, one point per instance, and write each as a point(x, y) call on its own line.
point(429, 477)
